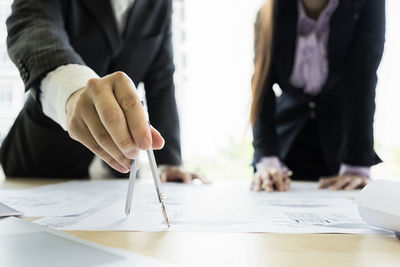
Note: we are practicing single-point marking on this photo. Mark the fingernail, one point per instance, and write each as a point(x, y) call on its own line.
point(124, 169)
point(128, 167)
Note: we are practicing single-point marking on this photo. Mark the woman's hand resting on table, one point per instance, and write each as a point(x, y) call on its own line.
point(343, 182)
point(270, 179)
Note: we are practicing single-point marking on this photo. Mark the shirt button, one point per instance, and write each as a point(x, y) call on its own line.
point(311, 104)
point(312, 115)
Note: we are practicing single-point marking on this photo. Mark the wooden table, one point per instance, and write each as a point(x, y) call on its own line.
point(246, 249)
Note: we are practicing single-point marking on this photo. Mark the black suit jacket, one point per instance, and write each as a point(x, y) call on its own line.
point(345, 107)
point(44, 34)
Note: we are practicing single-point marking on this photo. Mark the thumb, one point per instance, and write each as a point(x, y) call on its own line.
point(158, 140)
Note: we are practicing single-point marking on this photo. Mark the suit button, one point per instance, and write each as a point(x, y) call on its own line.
point(311, 104)
point(312, 114)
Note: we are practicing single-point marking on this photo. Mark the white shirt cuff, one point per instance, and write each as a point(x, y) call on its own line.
point(356, 170)
point(271, 162)
point(59, 85)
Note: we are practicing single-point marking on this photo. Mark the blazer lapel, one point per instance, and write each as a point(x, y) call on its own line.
point(103, 13)
point(340, 35)
point(285, 33)
point(139, 13)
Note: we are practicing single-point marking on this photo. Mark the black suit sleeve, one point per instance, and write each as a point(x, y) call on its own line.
point(160, 95)
point(265, 140)
point(37, 41)
point(360, 82)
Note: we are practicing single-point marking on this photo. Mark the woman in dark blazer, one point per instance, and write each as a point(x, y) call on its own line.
point(318, 122)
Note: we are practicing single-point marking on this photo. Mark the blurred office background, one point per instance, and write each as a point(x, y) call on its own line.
point(213, 55)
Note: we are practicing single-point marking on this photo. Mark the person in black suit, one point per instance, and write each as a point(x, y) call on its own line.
point(81, 61)
point(324, 56)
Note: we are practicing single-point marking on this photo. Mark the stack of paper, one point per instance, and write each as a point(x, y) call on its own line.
point(221, 207)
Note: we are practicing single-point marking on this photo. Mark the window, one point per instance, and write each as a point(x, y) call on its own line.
point(213, 55)
point(11, 86)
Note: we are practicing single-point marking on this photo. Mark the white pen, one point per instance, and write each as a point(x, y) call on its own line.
point(131, 185)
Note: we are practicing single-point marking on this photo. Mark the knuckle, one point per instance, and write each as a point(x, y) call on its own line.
point(130, 103)
point(112, 116)
point(93, 83)
point(120, 75)
point(94, 87)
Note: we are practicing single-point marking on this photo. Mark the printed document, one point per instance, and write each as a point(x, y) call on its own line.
point(219, 207)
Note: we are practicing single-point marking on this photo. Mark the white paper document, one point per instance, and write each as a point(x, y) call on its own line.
point(24, 243)
point(222, 207)
point(64, 199)
point(7, 211)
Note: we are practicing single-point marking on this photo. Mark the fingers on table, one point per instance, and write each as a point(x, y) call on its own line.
point(176, 175)
point(341, 182)
point(201, 178)
point(270, 180)
point(257, 182)
point(163, 177)
point(267, 181)
point(186, 177)
point(355, 183)
point(278, 180)
point(287, 182)
point(345, 182)
point(326, 182)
